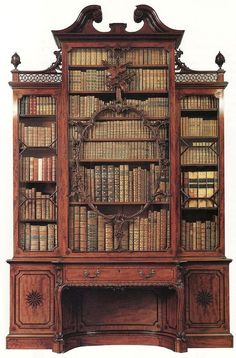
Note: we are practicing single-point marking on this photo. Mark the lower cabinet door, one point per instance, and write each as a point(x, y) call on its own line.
point(206, 300)
point(33, 304)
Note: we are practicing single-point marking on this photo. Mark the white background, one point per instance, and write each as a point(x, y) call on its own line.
point(25, 27)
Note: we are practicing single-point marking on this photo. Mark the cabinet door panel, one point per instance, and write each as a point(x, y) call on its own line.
point(205, 300)
point(34, 304)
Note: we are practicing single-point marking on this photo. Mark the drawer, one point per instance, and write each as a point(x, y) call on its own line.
point(119, 274)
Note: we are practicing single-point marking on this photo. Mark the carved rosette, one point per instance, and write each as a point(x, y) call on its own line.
point(204, 298)
point(34, 299)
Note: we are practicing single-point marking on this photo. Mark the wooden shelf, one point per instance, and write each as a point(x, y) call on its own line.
point(38, 182)
point(105, 119)
point(102, 160)
point(200, 209)
point(38, 116)
point(199, 166)
point(26, 150)
point(122, 139)
point(102, 67)
point(133, 203)
point(38, 221)
point(199, 110)
point(200, 138)
point(163, 92)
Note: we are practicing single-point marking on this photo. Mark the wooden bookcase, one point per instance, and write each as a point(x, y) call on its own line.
point(118, 193)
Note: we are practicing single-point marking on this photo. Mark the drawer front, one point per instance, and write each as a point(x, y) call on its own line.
point(122, 274)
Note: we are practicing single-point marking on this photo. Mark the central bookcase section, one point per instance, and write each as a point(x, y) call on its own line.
point(119, 149)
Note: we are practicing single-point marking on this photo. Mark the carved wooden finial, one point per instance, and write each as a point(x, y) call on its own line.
point(219, 60)
point(15, 60)
point(118, 77)
point(179, 65)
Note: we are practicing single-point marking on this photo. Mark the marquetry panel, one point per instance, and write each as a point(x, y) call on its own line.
point(34, 300)
point(205, 300)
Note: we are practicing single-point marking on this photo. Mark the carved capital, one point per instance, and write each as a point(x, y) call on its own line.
point(58, 275)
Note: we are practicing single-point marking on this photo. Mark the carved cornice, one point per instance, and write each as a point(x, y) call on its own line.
point(150, 18)
point(83, 26)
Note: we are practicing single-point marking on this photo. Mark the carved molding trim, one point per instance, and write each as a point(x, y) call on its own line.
point(58, 275)
point(185, 74)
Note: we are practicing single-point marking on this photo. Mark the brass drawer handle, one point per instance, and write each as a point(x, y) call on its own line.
point(87, 274)
point(147, 275)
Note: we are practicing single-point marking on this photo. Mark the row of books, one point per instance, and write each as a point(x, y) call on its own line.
point(125, 129)
point(137, 56)
point(37, 205)
point(119, 150)
point(199, 185)
point(109, 183)
point(149, 80)
point(37, 105)
point(200, 235)
point(95, 80)
point(38, 237)
point(38, 169)
point(89, 80)
point(199, 102)
point(199, 153)
point(35, 136)
point(198, 127)
point(89, 231)
point(85, 106)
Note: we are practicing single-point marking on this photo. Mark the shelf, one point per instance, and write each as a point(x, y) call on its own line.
point(200, 166)
point(122, 139)
point(199, 110)
point(104, 92)
point(201, 209)
point(105, 119)
point(102, 160)
point(38, 221)
point(25, 150)
point(38, 116)
point(74, 203)
point(102, 67)
point(200, 138)
point(51, 182)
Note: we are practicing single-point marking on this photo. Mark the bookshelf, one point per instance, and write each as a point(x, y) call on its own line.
point(118, 193)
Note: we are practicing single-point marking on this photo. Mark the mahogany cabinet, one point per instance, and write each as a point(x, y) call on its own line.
point(118, 193)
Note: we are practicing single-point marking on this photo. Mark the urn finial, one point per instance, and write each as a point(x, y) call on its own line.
point(219, 60)
point(15, 60)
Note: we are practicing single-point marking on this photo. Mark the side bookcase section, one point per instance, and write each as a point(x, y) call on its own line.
point(37, 138)
point(199, 173)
